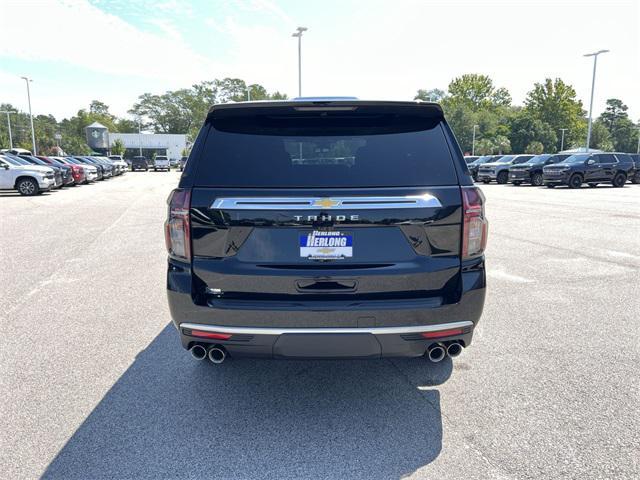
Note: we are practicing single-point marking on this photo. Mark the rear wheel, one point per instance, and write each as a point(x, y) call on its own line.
point(503, 177)
point(619, 180)
point(28, 187)
point(593, 185)
point(575, 181)
point(536, 179)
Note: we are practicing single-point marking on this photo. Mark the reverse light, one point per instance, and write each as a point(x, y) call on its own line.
point(177, 229)
point(474, 224)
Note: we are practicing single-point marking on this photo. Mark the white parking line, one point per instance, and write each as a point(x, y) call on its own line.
point(502, 275)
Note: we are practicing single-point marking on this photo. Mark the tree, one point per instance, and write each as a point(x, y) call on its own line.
point(535, 147)
point(600, 136)
point(118, 147)
point(623, 132)
point(432, 95)
point(555, 104)
point(484, 146)
point(502, 143)
point(526, 128)
point(477, 92)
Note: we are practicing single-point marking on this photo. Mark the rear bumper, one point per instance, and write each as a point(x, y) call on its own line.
point(332, 330)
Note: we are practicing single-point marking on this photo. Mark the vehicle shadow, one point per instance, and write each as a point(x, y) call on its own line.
point(169, 416)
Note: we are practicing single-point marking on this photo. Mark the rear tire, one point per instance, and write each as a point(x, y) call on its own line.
point(536, 180)
point(502, 178)
point(593, 185)
point(28, 187)
point(619, 180)
point(575, 181)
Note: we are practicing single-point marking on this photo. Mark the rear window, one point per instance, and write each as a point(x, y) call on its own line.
point(363, 151)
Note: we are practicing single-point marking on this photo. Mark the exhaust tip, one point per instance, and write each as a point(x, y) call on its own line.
point(436, 352)
point(217, 355)
point(454, 349)
point(198, 352)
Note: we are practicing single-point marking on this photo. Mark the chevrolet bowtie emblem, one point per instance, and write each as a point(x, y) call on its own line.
point(326, 203)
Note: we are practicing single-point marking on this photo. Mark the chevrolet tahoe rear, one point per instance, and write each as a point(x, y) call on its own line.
point(326, 229)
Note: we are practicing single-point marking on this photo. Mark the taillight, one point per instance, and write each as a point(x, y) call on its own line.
point(474, 224)
point(177, 231)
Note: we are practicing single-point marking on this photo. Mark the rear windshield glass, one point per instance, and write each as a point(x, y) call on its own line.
point(312, 152)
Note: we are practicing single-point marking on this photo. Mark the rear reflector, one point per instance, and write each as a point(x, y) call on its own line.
point(214, 335)
point(442, 333)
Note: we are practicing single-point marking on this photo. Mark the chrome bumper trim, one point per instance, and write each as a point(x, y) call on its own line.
point(319, 203)
point(281, 331)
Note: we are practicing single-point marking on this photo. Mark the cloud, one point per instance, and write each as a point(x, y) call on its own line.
point(81, 34)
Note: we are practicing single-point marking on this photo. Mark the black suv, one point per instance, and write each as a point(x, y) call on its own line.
point(326, 229)
point(636, 162)
point(590, 168)
point(139, 163)
point(531, 170)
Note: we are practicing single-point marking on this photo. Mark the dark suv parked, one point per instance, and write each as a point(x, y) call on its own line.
point(590, 168)
point(531, 170)
point(326, 229)
point(139, 163)
point(636, 161)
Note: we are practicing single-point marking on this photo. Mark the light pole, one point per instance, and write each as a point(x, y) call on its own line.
point(562, 141)
point(473, 144)
point(139, 138)
point(9, 125)
point(298, 33)
point(33, 132)
point(638, 149)
point(593, 83)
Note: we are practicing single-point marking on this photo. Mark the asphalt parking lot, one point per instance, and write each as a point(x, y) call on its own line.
point(95, 384)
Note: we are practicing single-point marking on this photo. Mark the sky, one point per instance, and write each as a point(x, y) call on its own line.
point(114, 50)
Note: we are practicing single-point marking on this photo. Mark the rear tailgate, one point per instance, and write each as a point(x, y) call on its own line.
point(357, 206)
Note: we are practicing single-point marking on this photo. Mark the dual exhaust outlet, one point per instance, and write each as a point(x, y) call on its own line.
point(438, 351)
point(216, 354)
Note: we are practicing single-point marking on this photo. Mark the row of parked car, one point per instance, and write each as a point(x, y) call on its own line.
point(159, 163)
point(34, 174)
point(552, 170)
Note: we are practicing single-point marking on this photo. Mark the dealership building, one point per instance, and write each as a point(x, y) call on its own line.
point(172, 145)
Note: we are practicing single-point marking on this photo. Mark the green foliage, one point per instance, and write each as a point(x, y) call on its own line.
point(527, 128)
point(485, 146)
point(600, 137)
point(555, 104)
point(118, 147)
point(476, 92)
point(432, 95)
point(535, 147)
point(623, 132)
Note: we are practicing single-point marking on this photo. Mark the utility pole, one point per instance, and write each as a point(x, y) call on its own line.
point(562, 141)
point(593, 83)
point(9, 125)
point(139, 138)
point(33, 132)
point(298, 33)
point(473, 144)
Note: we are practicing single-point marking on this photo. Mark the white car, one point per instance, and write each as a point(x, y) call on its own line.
point(161, 162)
point(28, 180)
point(121, 165)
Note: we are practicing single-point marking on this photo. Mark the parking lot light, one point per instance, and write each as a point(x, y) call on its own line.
point(33, 132)
point(473, 143)
point(593, 83)
point(562, 141)
point(9, 125)
point(298, 34)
